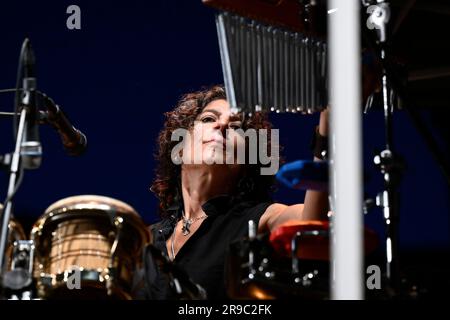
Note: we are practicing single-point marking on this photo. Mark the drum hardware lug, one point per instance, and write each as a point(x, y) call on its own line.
point(264, 264)
point(23, 254)
point(19, 279)
point(250, 277)
point(269, 275)
point(20, 275)
point(251, 254)
point(381, 201)
point(109, 275)
point(369, 204)
point(390, 165)
point(262, 269)
point(118, 223)
point(306, 280)
point(253, 271)
point(258, 273)
point(294, 248)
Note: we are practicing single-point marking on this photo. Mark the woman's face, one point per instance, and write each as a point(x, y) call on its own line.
point(215, 131)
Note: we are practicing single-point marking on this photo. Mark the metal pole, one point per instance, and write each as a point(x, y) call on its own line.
point(15, 166)
point(346, 160)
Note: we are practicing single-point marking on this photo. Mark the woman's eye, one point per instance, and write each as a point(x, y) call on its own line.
point(208, 119)
point(235, 126)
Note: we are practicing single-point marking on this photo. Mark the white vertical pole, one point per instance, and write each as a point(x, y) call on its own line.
point(345, 103)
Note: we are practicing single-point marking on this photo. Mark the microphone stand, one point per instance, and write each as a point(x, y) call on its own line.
point(26, 155)
point(14, 170)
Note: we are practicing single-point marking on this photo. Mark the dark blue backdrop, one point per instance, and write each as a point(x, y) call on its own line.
point(128, 64)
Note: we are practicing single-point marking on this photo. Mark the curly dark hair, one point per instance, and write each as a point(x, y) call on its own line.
point(167, 183)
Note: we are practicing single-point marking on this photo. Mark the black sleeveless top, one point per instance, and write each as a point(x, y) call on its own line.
point(202, 257)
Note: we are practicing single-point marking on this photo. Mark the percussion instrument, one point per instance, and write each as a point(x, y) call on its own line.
point(87, 247)
point(15, 234)
point(268, 68)
point(274, 55)
point(291, 262)
point(16, 277)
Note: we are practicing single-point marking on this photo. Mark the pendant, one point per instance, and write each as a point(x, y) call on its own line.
point(186, 227)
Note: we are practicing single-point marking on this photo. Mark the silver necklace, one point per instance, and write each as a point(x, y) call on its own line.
point(185, 229)
point(172, 243)
point(188, 222)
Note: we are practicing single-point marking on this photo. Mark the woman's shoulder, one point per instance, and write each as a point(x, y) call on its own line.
point(252, 207)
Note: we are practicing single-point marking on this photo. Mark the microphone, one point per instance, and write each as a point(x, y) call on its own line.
point(31, 149)
point(74, 141)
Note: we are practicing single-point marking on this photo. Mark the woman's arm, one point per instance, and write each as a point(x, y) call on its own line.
point(316, 202)
point(315, 206)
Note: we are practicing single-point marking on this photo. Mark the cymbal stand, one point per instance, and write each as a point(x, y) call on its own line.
point(387, 161)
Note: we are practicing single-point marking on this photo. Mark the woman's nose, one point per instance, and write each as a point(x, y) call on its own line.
point(222, 126)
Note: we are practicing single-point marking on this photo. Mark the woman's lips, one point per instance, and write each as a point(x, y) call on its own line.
point(216, 141)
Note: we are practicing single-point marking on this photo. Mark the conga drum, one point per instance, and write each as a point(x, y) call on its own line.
point(88, 247)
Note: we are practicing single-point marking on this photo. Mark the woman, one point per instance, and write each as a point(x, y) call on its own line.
point(205, 205)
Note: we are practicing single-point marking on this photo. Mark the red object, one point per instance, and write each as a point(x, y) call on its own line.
point(312, 247)
point(283, 13)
